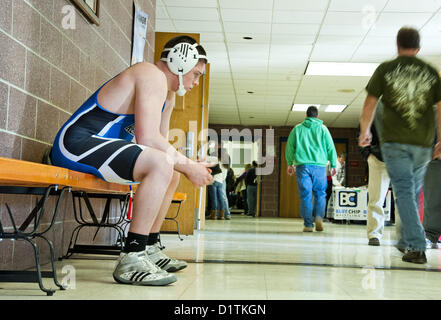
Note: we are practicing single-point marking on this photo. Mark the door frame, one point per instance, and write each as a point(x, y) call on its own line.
point(281, 140)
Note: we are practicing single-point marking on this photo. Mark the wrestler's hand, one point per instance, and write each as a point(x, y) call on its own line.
point(199, 173)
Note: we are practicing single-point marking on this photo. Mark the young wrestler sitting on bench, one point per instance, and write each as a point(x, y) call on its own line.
point(99, 139)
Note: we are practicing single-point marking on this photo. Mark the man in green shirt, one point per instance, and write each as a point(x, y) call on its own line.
point(308, 150)
point(408, 88)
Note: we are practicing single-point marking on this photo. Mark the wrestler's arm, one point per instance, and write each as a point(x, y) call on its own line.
point(166, 115)
point(150, 87)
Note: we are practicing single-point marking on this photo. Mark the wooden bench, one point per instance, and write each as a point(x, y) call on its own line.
point(23, 177)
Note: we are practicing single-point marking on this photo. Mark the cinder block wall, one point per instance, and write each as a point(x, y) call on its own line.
point(46, 73)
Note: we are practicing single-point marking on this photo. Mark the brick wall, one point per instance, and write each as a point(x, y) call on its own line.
point(46, 73)
point(270, 183)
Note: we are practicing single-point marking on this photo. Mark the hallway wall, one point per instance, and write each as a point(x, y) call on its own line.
point(46, 73)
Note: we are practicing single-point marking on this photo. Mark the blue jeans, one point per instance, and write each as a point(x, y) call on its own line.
point(406, 166)
point(311, 181)
point(216, 196)
point(225, 197)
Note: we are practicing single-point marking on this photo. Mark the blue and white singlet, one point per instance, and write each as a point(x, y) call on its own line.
point(99, 142)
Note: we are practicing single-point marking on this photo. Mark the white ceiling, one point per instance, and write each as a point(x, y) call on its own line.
point(286, 35)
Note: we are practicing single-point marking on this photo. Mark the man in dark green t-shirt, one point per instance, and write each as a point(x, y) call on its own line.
point(408, 88)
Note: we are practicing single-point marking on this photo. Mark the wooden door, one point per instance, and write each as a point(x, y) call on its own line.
point(289, 203)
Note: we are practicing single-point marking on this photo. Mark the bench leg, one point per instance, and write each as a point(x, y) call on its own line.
point(177, 227)
point(54, 270)
point(29, 276)
point(49, 292)
point(120, 225)
point(72, 242)
point(20, 234)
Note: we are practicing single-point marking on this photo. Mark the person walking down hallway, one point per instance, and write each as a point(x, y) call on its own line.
point(432, 204)
point(338, 179)
point(308, 150)
point(408, 88)
point(378, 184)
point(251, 187)
point(218, 202)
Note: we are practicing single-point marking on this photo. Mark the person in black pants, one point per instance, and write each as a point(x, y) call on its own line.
point(251, 184)
point(432, 203)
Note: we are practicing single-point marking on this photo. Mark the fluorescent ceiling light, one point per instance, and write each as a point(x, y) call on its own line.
point(340, 69)
point(335, 108)
point(303, 107)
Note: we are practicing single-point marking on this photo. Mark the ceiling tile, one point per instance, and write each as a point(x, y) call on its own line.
point(250, 100)
point(296, 29)
point(301, 5)
point(284, 76)
point(196, 26)
point(363, 6)
point(211, 37)
point(198, 14)
point(164, 26)
point(397, 20)
point(344, 18)
point(315, 17)
point(161, 13)
point(291, 39)
point(332, 40)
point(246, 4)
point(329, 53)
point(246, 15)
point(247, 28)
point(413, 6)
point(250, 76)
point(191, 3)
point(226, 99)
point(344, 30)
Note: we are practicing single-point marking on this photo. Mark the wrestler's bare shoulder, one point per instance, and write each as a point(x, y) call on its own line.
point(146, 71)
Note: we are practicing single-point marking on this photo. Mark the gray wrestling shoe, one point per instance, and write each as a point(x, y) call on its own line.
point(137, 268)
point(163, 261)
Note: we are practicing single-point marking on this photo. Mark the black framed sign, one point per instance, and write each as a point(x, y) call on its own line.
point(90, 9)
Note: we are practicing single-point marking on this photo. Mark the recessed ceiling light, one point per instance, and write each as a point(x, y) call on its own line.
point(335, 108)
point(303, 107)
point(340, 69)
point(247, 38)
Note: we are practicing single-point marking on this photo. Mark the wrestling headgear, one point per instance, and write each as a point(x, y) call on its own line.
point(181, 59)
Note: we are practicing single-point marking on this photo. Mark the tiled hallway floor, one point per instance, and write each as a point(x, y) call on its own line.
point(264, 258)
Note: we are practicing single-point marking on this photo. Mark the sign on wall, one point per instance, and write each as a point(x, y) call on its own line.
point(139, 35)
